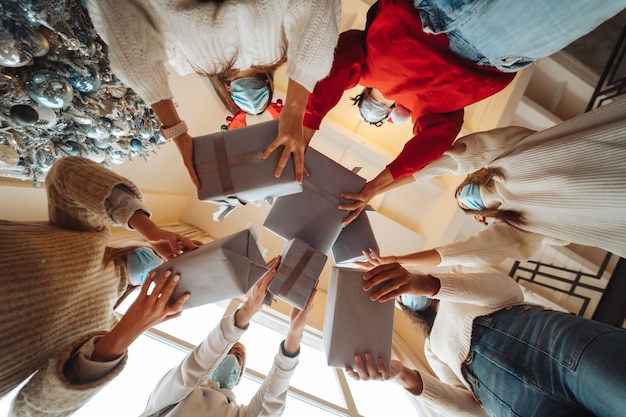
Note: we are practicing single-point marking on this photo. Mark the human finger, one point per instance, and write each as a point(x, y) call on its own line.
point(352, 216)
point(284, 158)
point(351, 373)
point(382, 368)
point(178, 304)
point(274, 262)
point(168, 289)
point(298, 162)
point(146, 285)
point(360, 369)
point(160, 281)
point(188, 243)
point(271, 148)
point(371, 274)
point(371, 368)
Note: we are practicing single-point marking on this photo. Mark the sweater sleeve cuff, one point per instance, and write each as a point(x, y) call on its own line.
point(312, 121)
point(86, 370)
point(230, 331)
point(122, 204)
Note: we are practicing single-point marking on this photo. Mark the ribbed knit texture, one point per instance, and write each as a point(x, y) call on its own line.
point(144, 35)
point(55, 283)
point(463, 297)
point(569, 183)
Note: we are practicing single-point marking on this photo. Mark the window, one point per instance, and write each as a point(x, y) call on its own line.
point(316, 390)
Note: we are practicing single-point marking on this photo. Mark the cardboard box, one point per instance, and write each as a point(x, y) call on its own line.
point(312, 215)
point(355, 238)
point(230, 167)
point(298, 273)
point(353, 324)
point(219, 270)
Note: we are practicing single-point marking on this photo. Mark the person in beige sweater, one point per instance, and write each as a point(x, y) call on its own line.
point(61, 283)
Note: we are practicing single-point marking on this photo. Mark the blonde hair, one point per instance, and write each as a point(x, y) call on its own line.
point(484, 177)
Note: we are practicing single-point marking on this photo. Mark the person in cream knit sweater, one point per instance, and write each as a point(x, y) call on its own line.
point(492, 353)
point(60, 282)
point(561, 185)
point(242, 42)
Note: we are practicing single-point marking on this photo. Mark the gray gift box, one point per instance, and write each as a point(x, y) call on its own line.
point(355, 238)
point(230, 167)
point(219, 270)
point(353, 324)
point(298, 273)
point(312, 215)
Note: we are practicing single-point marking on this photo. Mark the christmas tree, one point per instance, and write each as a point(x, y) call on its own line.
point(58, 96)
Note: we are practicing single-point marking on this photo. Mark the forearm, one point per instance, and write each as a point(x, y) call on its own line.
point(428, 257)
point(292, 342)
point(166, 112)
point(142, 223)
point(296, 99)
point(410, 380)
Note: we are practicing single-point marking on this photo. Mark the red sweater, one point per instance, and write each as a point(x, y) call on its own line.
point(412, 68)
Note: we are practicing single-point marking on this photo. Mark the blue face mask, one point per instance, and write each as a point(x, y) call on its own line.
point(250, 94)
point(373, 111)
point(415, 303)
point(227, 372)
point(470, 197)
point(139, 263)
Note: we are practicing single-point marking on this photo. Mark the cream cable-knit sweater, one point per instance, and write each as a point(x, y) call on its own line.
point(568, 181)
point(143, 35)
point(57, 289)
point(463, 297)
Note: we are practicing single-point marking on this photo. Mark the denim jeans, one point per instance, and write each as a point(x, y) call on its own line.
point(527, 361)
point(512, 34)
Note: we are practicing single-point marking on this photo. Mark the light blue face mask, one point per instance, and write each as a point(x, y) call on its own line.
point(139, 263)
point(227, 372)
point(250, 94)
point(373, 111)
point(470, 197)
point(415, 303)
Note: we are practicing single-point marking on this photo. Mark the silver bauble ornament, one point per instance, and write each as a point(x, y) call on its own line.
point(50, 89)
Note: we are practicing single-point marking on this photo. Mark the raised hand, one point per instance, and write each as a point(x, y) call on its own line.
point(374, 259)
point(365, 370)
point(149, 309)
point(297, 322)
point(394, 281)
point(256, 297)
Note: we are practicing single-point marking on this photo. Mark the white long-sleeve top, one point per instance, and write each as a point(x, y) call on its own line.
point(192, 36)
point(569, 183)
point(462, 297)
point(188, 391)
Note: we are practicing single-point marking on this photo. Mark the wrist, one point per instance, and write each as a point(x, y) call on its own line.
point(243, 315)
point(410, 380)
point(175, 130)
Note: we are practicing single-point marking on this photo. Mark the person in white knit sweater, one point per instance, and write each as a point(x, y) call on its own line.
point(241, 42)
point(492, 353)
point(561, 185)
point(201, 385)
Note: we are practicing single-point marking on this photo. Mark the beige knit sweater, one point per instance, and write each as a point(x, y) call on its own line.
point(57, 288)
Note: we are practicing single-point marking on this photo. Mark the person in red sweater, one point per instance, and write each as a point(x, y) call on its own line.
point(410, 68)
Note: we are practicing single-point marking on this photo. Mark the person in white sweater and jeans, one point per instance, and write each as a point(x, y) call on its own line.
point(241, 42)
point(493, 353)
point(565, 184)
point(201, 385)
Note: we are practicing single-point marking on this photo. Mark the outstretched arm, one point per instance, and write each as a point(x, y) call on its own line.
point(82, 368)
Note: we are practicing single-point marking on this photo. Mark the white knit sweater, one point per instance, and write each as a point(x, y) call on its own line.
point(569, 183)
point(192, 36)
point(463, 297)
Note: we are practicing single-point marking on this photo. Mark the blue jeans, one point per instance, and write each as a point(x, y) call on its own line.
point(528, 361)
point(512, 34)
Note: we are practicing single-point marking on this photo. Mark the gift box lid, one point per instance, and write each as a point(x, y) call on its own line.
point(356, 237)
point(312, 215)
point(219, 270)
point(298, 273)
point(353, 324)
point(229, 165)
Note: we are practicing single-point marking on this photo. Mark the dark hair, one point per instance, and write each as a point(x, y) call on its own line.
point(358, 101)
point(423, 320)
point(484, 177)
